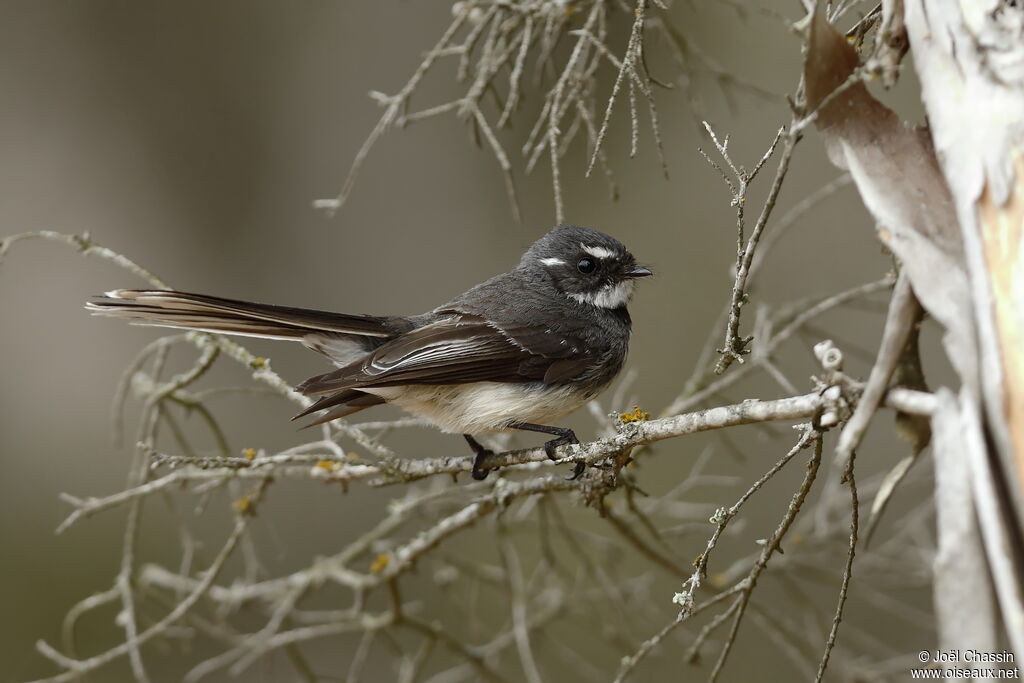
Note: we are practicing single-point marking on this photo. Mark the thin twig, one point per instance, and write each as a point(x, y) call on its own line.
point(770, 546)
point(849, 479)
point(75, 668)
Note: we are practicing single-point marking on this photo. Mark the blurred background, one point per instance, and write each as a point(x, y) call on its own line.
point(193, 137)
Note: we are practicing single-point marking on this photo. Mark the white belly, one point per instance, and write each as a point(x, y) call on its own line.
point(481, 407)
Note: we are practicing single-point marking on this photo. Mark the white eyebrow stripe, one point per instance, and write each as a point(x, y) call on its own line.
point(552, 261)
point(597, 252)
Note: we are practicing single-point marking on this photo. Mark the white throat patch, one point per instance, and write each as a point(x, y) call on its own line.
point(609, 296)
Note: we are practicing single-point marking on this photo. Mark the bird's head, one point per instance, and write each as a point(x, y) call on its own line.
point(586, 265)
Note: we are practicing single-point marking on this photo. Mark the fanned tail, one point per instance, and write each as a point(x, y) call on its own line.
point(343, 338)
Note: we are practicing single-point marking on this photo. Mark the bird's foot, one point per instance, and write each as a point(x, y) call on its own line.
point(478, 472)
point(566, 436)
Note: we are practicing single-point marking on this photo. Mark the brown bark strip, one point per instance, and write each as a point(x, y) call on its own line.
point(1002, 235)
point(900, 181)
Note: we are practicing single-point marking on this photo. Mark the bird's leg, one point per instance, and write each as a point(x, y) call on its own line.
point(565, 436)
point(478, 472)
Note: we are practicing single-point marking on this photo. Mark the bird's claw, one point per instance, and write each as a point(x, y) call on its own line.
point(577, 471)
point(564, 440)
point(477, 472)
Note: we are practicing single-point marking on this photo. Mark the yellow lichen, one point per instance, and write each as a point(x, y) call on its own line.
point(635, 415)
point(249, 453)
point(380, 563)
point(244, 505)
point(258, 363)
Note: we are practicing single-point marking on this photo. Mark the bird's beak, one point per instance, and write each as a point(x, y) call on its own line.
point(638, 271)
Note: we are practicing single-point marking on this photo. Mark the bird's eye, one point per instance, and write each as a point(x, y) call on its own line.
point(586, 266)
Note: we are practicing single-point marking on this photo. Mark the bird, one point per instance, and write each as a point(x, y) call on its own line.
point(516, 352)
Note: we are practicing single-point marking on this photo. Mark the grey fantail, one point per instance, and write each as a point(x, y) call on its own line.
point(515, 352)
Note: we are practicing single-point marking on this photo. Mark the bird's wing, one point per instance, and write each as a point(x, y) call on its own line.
point(458, 350)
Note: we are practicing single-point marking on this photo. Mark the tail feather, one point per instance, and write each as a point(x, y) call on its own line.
point(343, 338)
point(164, 308)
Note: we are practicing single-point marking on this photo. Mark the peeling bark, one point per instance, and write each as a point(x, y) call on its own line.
point(949, 202)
